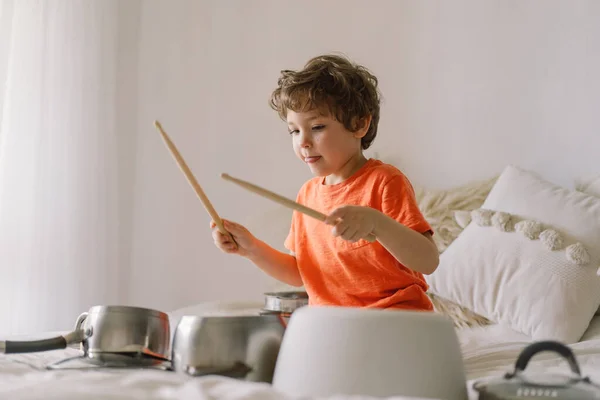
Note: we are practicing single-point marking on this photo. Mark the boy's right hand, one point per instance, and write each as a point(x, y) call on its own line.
point(246, 242)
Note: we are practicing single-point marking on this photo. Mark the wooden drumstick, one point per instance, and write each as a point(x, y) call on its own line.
point(192, 181)
point(283, 200)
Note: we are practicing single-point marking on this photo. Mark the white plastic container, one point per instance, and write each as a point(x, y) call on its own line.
point(329, 351)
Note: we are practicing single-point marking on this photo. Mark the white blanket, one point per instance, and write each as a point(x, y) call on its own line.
point(488, 352)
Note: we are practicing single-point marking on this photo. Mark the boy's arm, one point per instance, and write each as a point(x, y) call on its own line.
point(278, 265)
point(397, 226)
point(415, 250)
point(403, 230)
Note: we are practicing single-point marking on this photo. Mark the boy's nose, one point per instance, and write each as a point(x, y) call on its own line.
point(305, 140)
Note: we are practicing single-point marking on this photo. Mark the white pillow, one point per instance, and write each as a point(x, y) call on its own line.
point(589, 186)
point(499, 273)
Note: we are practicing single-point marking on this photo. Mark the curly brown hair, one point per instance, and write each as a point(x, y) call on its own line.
point(347, 90)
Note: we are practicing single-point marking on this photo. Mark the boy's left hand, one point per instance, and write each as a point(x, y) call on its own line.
point(352, 223)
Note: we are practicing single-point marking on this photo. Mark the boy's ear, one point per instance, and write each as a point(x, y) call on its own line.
point(362, 126)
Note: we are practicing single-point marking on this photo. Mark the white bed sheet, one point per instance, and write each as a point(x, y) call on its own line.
point(488, 352)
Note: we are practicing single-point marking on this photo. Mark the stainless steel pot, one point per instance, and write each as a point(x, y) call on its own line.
point(243, 347)
point(107, 330)
point(285, 302)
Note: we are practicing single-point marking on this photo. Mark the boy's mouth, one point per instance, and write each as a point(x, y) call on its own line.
point(311, 160)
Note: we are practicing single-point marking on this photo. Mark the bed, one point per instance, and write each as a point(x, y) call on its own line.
point(492, 296)
point(488, 352)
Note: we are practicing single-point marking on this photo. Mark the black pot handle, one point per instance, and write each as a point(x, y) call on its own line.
point(32, 346)
point(55, 343)
point(547, 345)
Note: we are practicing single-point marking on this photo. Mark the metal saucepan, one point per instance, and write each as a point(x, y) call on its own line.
point(242, 347)
point(285, 302)
point(108, 329)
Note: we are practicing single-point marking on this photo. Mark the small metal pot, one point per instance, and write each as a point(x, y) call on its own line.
point(242, 347)
point(284, 304)
point(108, 330)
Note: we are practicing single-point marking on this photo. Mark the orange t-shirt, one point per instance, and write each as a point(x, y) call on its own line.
point(340, 273)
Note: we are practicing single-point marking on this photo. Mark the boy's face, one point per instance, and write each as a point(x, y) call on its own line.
point(323, 143)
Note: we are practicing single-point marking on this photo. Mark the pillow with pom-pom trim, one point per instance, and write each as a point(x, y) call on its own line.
point(544, 285)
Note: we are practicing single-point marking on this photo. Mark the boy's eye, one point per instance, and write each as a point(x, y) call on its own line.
point(318, 127)
point(292, 131)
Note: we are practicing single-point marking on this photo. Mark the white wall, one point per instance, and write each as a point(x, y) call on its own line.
point(469, 86)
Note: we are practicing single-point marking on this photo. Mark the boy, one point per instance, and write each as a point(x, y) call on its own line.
point(332, 111)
